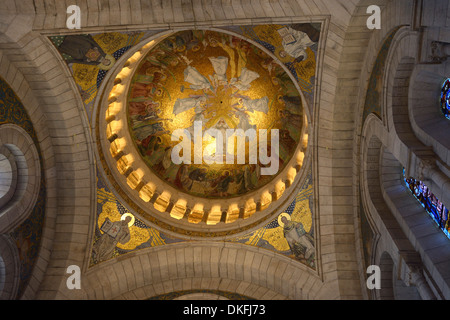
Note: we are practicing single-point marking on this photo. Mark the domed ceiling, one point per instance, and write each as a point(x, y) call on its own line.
point(195, 81)
point(240, 77)
point(207, 126)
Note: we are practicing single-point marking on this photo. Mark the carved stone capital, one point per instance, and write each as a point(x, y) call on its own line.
point(424, 168)
point(415, 277)
point(439, 51)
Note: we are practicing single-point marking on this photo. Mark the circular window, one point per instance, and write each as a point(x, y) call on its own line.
point(445, 99)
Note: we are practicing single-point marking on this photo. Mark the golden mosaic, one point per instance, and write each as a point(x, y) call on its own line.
point(223, 82)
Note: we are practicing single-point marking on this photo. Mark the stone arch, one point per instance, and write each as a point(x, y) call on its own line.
point(401, 63)
point(375, 125)
point(157, 291)
point(387, 280)
point(23, 153)
point(48, 95)
point(400, 227)
point(250, 271)
point(393, 288)
point(166, 14)
point(358, 58)
point(389, 236)
point(404, 141)
point(17, 82)
point(201, 296)
point(427, 121)
point(9, 268)
point(398, 98)
point(419, 159)
point(8, 176)
point(426, 244)
point(398, 134)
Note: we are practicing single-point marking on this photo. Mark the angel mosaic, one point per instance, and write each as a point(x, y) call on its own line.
point(113, 233)
point(90, 56)
point(117, 231)
point(292, 232)
point(294, 45)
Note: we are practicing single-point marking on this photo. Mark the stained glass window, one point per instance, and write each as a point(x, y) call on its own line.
point(445, 99)
point(428, 200)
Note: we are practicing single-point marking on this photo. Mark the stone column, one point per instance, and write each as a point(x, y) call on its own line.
point(411, 272)
point(440, 51)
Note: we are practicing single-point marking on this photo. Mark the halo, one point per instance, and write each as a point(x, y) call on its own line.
point(128, 215)
point(109, 57)
point(285, 59)
point(284, 214)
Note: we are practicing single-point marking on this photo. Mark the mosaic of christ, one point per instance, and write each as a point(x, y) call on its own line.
point(226, 83)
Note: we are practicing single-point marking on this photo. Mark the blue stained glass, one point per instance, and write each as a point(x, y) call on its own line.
point(445, 99)
point(434, 207)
